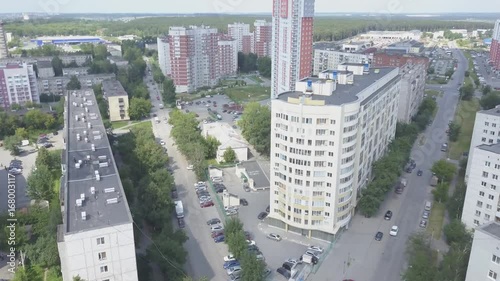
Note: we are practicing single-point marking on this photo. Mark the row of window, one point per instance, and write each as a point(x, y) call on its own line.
point(296, 119)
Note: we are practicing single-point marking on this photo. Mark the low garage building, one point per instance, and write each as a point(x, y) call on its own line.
point(228, 137)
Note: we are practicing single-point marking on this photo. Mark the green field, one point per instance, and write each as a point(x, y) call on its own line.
point(465, 117)
point(433, 93)
point(436, 220)
point(248, 93)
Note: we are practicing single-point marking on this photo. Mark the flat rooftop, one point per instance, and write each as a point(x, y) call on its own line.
point(113, 88)
point(492, 229)
point(494, 111)
point(345, 93)
point(91, 172)
point(44, 64)
point(254, 170)
point(495, 148)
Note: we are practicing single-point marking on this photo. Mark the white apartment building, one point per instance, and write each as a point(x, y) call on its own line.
point(96, 239)
point(164, 55)
point(484, 260)
point(486, 131)
point(412, 91)
point(292, 44)
point(481, 203)
point(391, 36)
point(238, 31)
point(18, 85)
point(330, 59)
point(325, 137)
point(4, 50)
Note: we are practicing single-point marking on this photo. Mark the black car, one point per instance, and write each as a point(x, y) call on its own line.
point(388, 215)
point(419, 173)
point(55, 133)
point(181, 222)
point(219, 190)
point(288, 266)
point(244, 202)
point(174, 194)
point(154, 115)
point(47, 145)
point(284, 272)
point(379, 236)
point(262, 215)
point(268, 209)
point(213, 221)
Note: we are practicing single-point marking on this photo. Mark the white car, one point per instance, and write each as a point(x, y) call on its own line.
point(250, 242)
point(229, 257)
point(217, 227)
point(394, 230)
point(293, 261)
point(162, 142)
point(199, 184)
point(274, 237)
point(316, 249)
point(311, 253)
point(190, 167)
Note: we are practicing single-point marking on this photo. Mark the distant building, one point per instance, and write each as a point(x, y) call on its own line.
point(119, 61)
point(228, 137)
point(57, 85)
point(462, 32)
point(76, 71)
point(67, 40)
point(18, 85)
point(292, 43)
point(78, 59)
point(96, 238)
point(398, 60)
point(228, 57)
point(241, 33)
point(484, 260)
point(114, 49)
point(355, 46)
point(331, 59)
point(495, 46)
point(412, 91)
point(406, 47)
point(262, 38)
point(164, 55)
point(153, 47)
point(4, 50)
point(117, 98)
point(45, 69)
point(392, 35)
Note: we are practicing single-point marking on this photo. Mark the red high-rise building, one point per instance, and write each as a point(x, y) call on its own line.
point(262, 38)
point(495, 46)
point(397, 60)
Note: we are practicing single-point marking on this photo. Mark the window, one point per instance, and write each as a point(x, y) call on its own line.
point(104, 268)
point(481, 193)
point(488, 206)
point(483, 183)
point(487, 217)
point(487, 163)
point(495, 259)
point(485, 174)
point(476, 222)
point(100, 241)
point(479, 204)
point(102, 256)
point(478, 213)
point(492, 274)
point(495, 177)
point(491, 197)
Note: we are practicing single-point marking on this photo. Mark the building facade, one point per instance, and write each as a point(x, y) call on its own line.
point(486, 131)
point(164, 55)
point(326, 135)
point(482, 197)
point(45, 69)
point(77, 59)
point(292, 43)
point(263, 37)
point(412, 91)
point(228, 57)
point(117, 98)
point(398, 60)
point(18, 85)
point(4, 49)
point(331, 59)
point(241, 33)
point(57, 85)
point(392, 36)
point(484, 260)
point(495, 46)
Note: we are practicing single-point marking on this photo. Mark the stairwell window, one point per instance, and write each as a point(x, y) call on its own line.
point(102, 256)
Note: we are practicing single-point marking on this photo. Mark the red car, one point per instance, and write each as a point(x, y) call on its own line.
point(217, 233)
point(207, 204)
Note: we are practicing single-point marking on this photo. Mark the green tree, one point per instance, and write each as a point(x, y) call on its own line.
point(455, 232)
point(455, 262)
point(264, 66)
point(236, 243)
point(252, 268)
point(39, 184)
point(211, 146)
point(78, 278)
point(486, 89)
point(74, 83)
point(454, 131)
point(444, 170)
point(233, 225)
point(422, 260)
point(168, 93)
point(247, 62)
point(169, 243)
point(466, 91)
point(100, 52)
point(37, 120)
point(466, 73)
point(256, 127)
point(57, 65)
point(441, 192)
point(230, 155)
point(490, 100)
point(449, 72)
point(12, 143)
point(22, 133)
point(139, 108)
point(455, 204)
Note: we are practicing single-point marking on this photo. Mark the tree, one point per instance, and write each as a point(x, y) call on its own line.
point(449, 72)
point(455, 204)
point(22, 133)
point(247, 62)
point(57, 65)
point(256, 127)
point(12, 143)
point(139, 108)
point(236, 242)
point(486, 89)
point(466, 73)
point(455, 232)
point(422, 261)
point(74, 84)
point(252, 268)
point(39, 184)
point(169, 243)
point(168, 93)
point(264, 65)
point(211, 146)
point(466, 91)
point(455, 262)
point(490, 100)
point(444, 170)
point(78, 278)
point(229, 155)
point(454, 131)
point(441, 192)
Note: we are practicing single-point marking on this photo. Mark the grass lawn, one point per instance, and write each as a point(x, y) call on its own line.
point(248, 93)
point(436, 220)
point(465, 117)
point(439, 81)
point(119, 124)
point(144, 124)
point(433, 93)
point(256, 79)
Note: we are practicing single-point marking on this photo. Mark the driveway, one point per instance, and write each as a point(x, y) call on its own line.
point(356, 254)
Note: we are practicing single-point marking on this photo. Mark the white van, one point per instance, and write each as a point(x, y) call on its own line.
point(428, 205)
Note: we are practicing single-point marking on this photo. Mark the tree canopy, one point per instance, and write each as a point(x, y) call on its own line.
point(444, 170)
point(256, 126)
point(139, 108)
point(74, 83)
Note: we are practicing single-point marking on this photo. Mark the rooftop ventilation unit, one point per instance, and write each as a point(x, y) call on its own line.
point(78, 137)
point(109, 190)
point(112, 201)
point(103, 165)
point(89, 125)
point(96, 132)
point(84, 216)
point(79, 202)
point(93, 147)
point(97, 137)
point(82, 196)
point(78, 165)
point(92, 190)
point(86, 139)
point(77, 118)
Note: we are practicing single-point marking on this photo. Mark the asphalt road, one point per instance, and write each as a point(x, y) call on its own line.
point(356, 254)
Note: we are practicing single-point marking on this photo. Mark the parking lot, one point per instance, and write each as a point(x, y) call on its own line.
point(214, 104)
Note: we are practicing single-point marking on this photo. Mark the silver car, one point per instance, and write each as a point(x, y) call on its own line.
point(425, 215)
point(423, 224)
point(274, 237)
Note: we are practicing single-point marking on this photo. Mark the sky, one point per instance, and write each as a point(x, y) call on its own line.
point(246, 6)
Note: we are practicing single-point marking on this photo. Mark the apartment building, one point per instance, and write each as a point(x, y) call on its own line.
point(164, 55)
point(325, 59)
point(484, 260)
point(486, 131)
point(292, 43)
point(76, 71)
point(241, 33)
point(196, 57)
point(78, 59)
point(57, 85)
point(481, 203)
point(18, 84)
point(262, 38)
point(405, 47)
point(391, 36)
point(96, 239)
point(4, 49)
point(325, 136)
point(382, 59)
point(45, 69)
point(412, 91)
point(495, 46)
point(117, 98)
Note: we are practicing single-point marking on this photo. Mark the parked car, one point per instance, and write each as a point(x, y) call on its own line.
point(217, 227)
point(285, 273)
point(420, 173)
point(274, 237)
point(181, 222)
point(217, 233)
point(378, 236)
point(250, 242)
point(229, 257)
point(394, 230)
point(315, 249)
point(213, 221)
point(388, 215)
point(423, 224)
point(231, 263)
point(311, 253)
point(207, 204)
point(425, 215)
point(262, 215)
point(244, 202)
point(233, 269)
point(288, 266)
point(231, 212)
point(219, 239)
